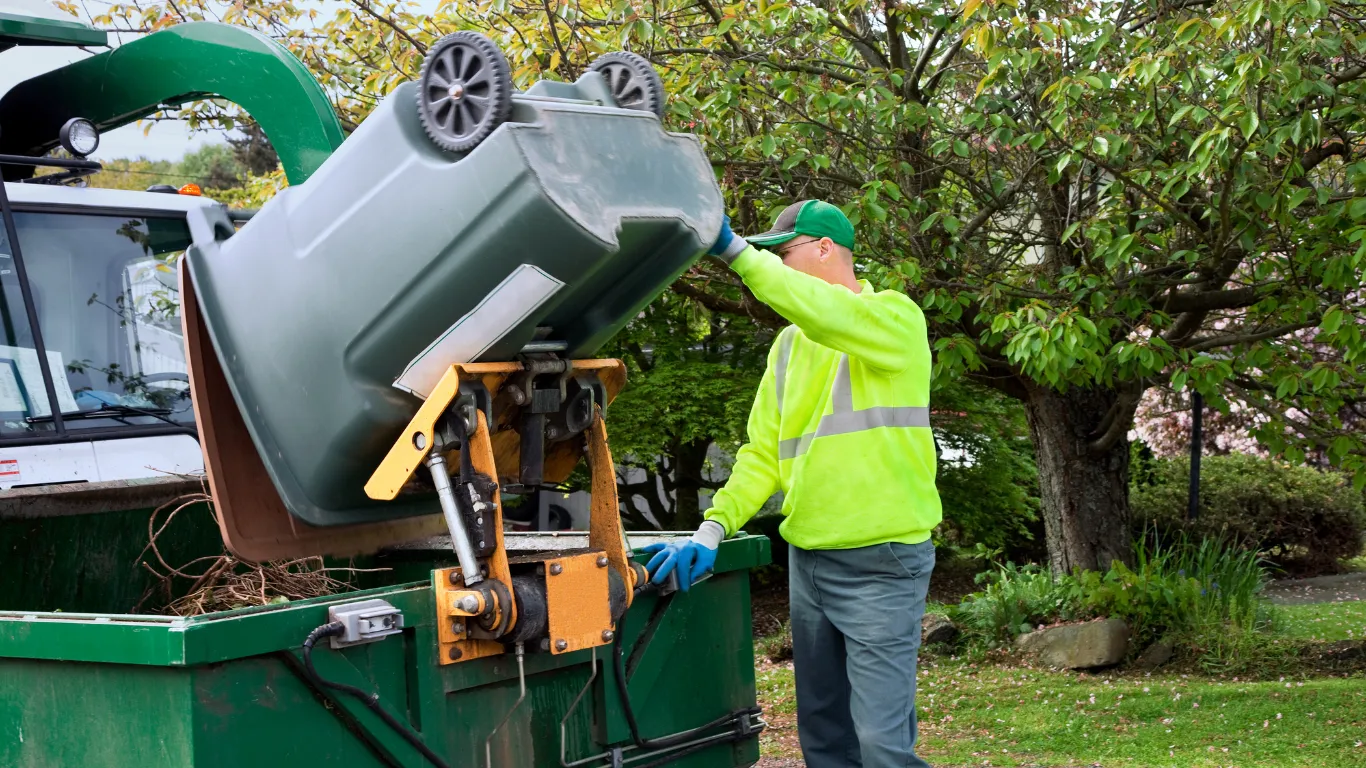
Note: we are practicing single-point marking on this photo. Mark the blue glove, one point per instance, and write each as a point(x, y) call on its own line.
point(723, 240)
point(691, 558)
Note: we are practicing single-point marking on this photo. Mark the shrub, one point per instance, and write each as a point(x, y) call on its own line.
point(1301, 519)
point(1015, 600)
point(1202, 596)
point(1198, 594)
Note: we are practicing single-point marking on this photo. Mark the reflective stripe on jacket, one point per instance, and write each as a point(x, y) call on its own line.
point(841, 420)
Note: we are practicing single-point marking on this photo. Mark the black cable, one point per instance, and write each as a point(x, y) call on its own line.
point(370, 700)
point(675, 739)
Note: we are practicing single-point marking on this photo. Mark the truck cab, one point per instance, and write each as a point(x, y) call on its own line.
point(91, 320)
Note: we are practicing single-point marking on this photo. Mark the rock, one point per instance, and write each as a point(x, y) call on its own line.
point(1101, 643)
point(1155, 655)
point(936, 629)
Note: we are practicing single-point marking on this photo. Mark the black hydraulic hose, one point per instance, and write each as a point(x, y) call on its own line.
point(370, 700)
point(674, 739)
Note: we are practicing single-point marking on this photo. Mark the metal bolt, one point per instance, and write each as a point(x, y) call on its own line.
point(455, 577)
point(458, 627)
point(469, 604)
point(607, 635)
point(555, 569)
point(602, 561)
point(553, 433)
point(560, 645)
point(481, 544)
point(545, 643)
point(455, 654)
point(419, 441)
point(479, 521)
point(518, 396)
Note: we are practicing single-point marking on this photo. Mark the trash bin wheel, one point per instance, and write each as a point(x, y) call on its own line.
point(464, 91)
point(632, 80)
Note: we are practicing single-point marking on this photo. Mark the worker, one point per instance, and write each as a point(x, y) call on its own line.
point(840, 424)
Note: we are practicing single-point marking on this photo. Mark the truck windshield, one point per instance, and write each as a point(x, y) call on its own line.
point(105, 293)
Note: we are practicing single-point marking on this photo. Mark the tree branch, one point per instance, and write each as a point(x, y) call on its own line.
point(1206, 301)
point(386, 21)
point(942, 67)
point(1213, 342)
point(913, 82)
point(1117, 421)
point(748, 308)
point(1317, 155)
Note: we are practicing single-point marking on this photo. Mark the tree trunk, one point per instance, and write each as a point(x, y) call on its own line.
point(1085, 492)
point(688, 460)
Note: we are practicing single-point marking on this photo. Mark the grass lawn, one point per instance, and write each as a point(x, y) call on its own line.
point(1325, 621)
point(984, 714)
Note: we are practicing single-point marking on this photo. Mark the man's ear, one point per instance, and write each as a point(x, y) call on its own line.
point(827, 249)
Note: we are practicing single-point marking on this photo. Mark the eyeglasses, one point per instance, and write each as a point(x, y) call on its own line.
point(783, 251)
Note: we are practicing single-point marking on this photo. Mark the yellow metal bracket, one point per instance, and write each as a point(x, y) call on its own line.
point(409, 451)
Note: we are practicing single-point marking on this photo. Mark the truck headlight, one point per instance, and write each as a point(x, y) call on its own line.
point(79, 137)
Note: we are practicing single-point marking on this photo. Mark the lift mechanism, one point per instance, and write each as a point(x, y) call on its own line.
point(515, 426)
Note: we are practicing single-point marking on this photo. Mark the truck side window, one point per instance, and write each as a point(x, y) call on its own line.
point(104, 290)
point(21, 382)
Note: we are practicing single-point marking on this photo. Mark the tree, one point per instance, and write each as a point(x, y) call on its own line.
point(1087, 198)
point(253, 151)
point(135, 175)
point(693, 374)
point(212, 166)
point(987, 479)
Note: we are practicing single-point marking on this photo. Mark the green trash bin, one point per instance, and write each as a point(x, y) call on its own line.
point(338, 306)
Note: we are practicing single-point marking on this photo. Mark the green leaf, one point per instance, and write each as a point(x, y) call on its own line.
point(1332, 320)
point(1357, 210)
point(1101, 146)
point(769, 146)
point(1071, 230)
point(961, 148)
point(724, 26)
point(1248, 125)
point(1187, 31)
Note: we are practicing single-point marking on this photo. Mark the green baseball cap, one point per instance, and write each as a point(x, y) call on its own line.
point(813, 218)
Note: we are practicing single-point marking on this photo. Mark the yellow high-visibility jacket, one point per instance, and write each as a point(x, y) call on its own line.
point(841, 421)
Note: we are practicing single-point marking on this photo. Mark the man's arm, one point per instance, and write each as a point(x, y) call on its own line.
point(752, 480)
point(881, 330)
point(754, 477)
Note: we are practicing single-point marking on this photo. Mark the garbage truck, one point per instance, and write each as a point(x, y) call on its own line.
point(365, 370)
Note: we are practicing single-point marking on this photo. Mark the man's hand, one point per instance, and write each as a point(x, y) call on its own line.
point(727, 245)
point(691, 558)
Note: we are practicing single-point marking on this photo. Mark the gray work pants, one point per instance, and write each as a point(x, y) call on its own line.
point(855, 637)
